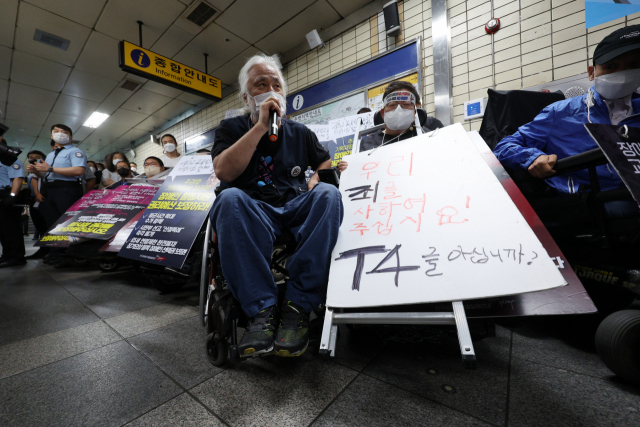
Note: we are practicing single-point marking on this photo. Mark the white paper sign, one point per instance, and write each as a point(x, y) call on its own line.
point(425, 220)
point(193, 165)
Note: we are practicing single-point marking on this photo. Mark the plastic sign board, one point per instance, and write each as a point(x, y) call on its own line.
point(426, 220)
point(475, 108)
point(145, 63)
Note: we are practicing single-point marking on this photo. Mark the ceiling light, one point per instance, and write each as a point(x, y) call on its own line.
point(95, 120)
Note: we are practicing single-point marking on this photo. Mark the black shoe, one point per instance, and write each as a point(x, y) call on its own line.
point(64, 263)
point(260, 333)
point(293, 334)
point(14, 262)
point(39, 254)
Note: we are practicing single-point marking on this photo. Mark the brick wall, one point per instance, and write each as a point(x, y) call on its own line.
point(539, 41)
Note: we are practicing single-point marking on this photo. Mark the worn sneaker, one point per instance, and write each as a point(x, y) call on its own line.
point(293, 334)
point(259, 336)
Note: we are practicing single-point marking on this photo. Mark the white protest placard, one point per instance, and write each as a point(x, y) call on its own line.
point(426, 220)
point(193, 165)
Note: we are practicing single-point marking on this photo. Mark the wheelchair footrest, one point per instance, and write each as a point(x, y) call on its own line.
point(234, 354)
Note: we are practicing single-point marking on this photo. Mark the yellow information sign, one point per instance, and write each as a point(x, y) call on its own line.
point(145, 63)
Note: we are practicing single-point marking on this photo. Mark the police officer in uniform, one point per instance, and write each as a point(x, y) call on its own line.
point(11, 239)
point(61, 174)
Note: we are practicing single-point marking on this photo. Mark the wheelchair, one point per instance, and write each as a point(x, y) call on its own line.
point(220, 312)
point(602, 251)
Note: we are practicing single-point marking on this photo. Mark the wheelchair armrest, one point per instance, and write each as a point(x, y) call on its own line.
point(580, 161)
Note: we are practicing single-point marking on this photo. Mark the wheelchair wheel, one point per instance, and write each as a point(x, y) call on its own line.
point(79, 262)
point(618, 344)
point(217, 349)
point(108, 266)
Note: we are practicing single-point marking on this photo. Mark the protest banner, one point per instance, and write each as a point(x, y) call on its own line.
point(63, 241)
point(425, 221)
point(621, 146)
point(170, 224)
point(117, 242)
point(104, 218)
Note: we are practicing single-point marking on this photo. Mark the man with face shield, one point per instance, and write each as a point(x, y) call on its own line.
point(559, 132)
point(269, 195)
point(61, 175)
point(399, 99)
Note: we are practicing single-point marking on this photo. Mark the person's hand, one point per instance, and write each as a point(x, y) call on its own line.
point(268, 105)
point(313, 182)
point(31, 169)
point(342, 165)
point(542, 167)
point(41, 167)
point(40, 198)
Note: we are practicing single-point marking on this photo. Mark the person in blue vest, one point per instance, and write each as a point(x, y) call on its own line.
point(11, 239)
point(559, 132)
point(61, 184)
point(269, 194)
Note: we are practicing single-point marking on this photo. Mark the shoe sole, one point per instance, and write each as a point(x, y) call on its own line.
point(286, 353)
point(251, 352)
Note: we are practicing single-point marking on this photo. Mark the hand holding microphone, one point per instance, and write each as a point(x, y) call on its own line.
point(270, 110)
point(273, 125)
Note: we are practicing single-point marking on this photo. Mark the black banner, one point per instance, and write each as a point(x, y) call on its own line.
point(621, 146)
point(170, 224)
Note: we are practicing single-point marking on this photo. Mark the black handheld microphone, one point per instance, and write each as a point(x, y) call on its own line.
point(273, 125)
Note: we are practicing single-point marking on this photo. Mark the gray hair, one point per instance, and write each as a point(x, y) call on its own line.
point(261, 58)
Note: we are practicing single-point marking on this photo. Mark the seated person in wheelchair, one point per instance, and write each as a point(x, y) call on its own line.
point(400, 100)
point(268, 195)
point(559, 132)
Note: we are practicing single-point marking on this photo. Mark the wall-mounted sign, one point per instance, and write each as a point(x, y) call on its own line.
point(145, 63)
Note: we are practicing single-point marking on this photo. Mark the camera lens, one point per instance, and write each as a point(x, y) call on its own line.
point(8, 156)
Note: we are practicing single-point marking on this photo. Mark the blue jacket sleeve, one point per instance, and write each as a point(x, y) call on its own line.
point(519, 150)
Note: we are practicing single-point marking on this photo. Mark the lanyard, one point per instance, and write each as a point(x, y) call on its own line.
point(57, 151)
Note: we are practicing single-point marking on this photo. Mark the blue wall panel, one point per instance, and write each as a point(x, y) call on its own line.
point(383, 68)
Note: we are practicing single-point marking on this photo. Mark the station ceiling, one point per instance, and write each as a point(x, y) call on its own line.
point(41, 84)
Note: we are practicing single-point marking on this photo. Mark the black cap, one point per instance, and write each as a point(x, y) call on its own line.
point(615, 44)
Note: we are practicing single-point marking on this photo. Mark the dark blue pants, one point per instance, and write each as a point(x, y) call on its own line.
point(247, 229)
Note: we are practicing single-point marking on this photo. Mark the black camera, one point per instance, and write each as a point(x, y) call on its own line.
point(8, 156)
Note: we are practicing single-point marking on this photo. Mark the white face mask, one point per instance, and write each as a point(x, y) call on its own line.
point(92, 168)
point(116, 161)
point(170, 148)
point(399, 119)
point(60, 137)
point(618, 85)
point(259, 99)
point(135, 169)
point(151, 170)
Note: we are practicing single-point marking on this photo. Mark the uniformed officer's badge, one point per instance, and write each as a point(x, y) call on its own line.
point(16, 166)
point(78, 154)
point(296, 171)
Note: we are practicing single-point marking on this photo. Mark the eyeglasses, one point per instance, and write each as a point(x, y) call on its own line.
point(405, 105)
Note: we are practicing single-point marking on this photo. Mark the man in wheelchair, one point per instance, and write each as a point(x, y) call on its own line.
point(400, 99)
point(266, 196)
point(558, 131)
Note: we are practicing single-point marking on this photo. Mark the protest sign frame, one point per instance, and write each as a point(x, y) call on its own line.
point(458, 317)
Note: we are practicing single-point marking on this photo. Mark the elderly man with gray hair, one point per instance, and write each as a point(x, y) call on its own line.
point(268, 195)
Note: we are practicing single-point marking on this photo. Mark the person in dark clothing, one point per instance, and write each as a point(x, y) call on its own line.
point(268, 195)
point(400, 100)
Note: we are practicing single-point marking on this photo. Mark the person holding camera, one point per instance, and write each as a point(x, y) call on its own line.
point(11, 238)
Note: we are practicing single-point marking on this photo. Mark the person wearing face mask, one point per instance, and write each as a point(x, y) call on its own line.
point(399, 99)
point(110, 174)
point(96, 171)
point(11, 239)
point(266, 194)
point(153, 166)
point(559, 132)
point(170, 145)
point(134, 169)
point(61, 174)
point(124, 171)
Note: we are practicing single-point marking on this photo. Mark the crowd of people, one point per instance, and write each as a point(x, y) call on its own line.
point(54, 182)
point(265, 196)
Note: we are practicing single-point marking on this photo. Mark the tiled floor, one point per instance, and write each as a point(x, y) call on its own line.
point(82, 348)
